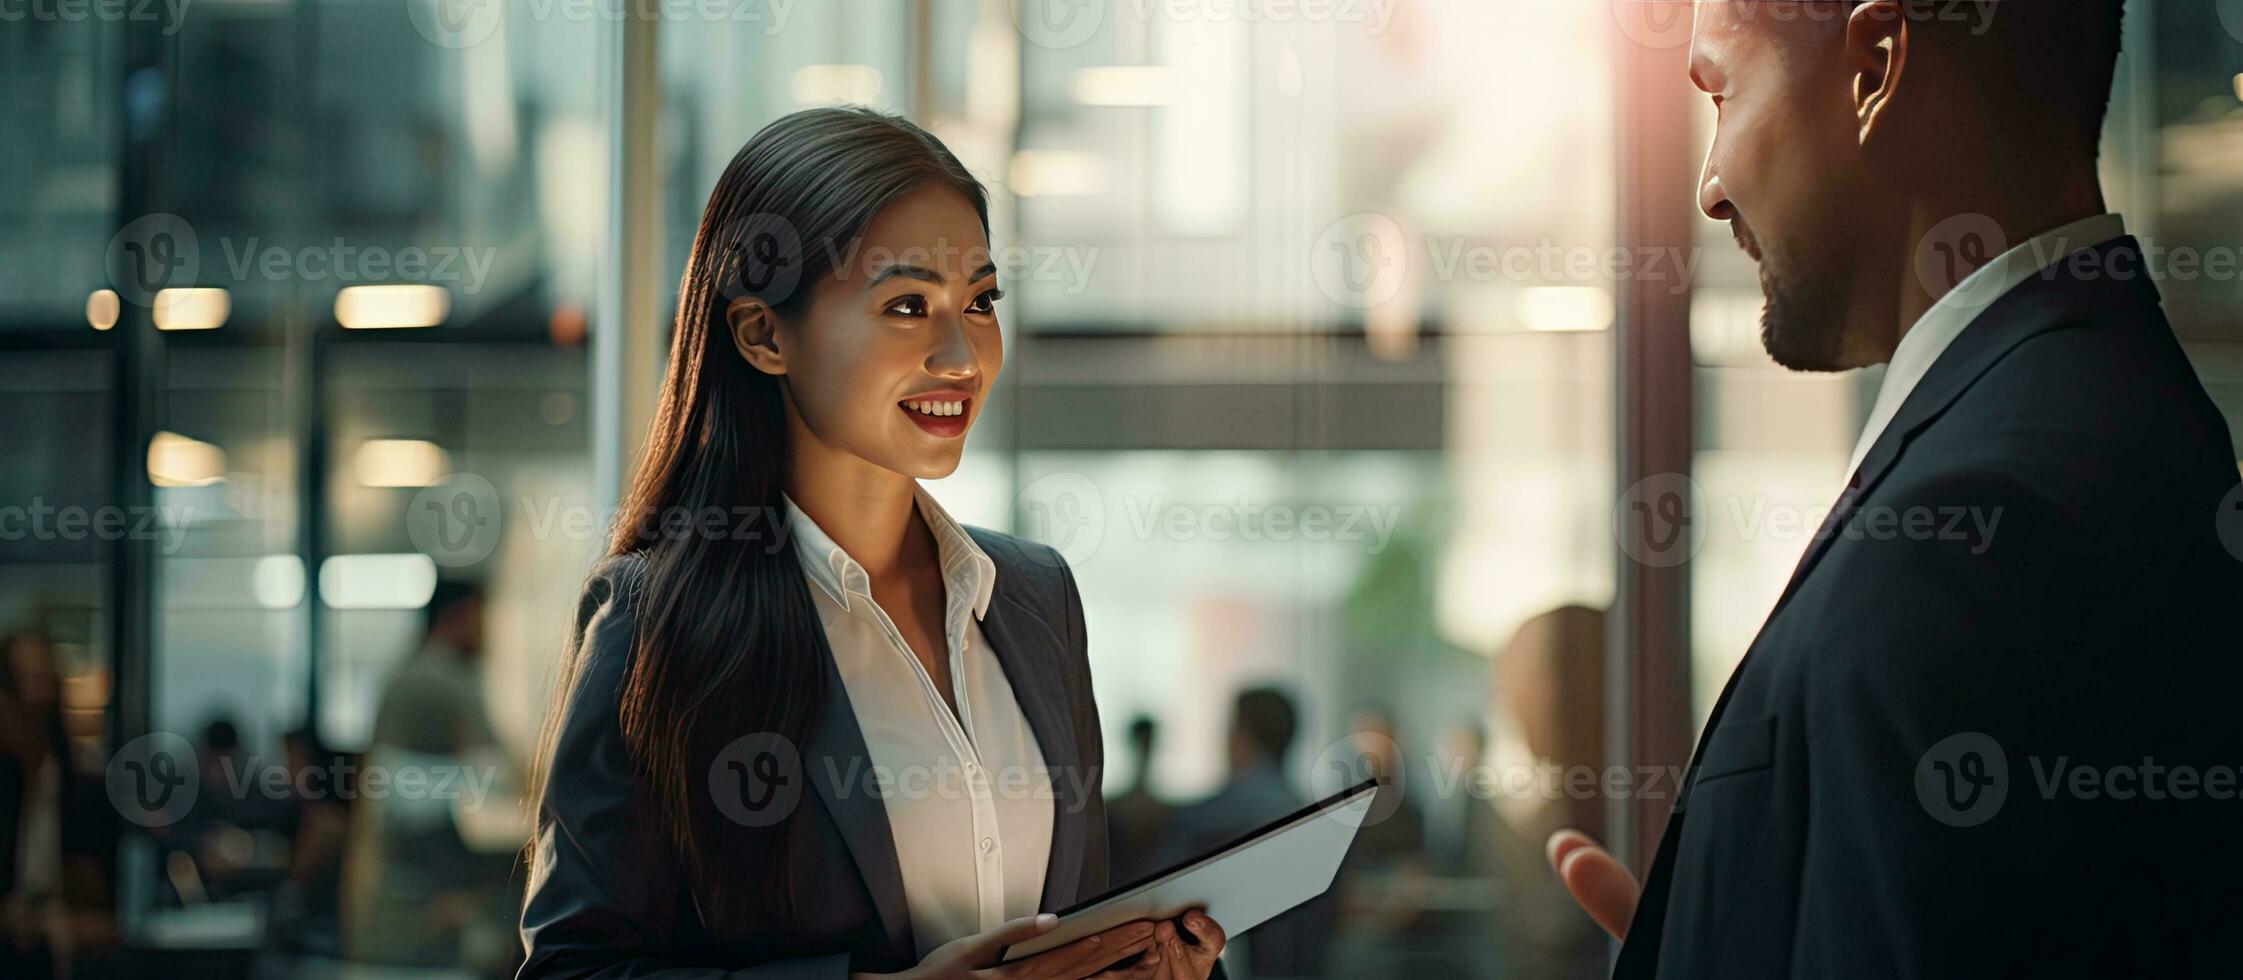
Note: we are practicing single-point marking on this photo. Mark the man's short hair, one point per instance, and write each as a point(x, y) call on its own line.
point(1265, 716)
point(2046, 62)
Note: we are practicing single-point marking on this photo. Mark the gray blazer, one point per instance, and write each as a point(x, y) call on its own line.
point(609, 898)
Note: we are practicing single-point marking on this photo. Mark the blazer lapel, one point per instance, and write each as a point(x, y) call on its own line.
point(1027, 648)
point(840, 767)
point(2042, 303)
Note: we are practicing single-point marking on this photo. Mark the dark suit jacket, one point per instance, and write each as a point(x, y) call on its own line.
point(1839, 822)
point(610, 899)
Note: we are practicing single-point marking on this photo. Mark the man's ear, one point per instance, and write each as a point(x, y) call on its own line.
point(755, 334)
point(1876, 53)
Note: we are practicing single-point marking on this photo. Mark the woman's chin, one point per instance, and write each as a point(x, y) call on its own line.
point(931, 463)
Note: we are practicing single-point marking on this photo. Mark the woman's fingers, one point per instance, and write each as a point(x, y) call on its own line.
point(1161, 950)
point(1146, 967)
point(1203, 928)
point(1196, 955)
point(1599, 884)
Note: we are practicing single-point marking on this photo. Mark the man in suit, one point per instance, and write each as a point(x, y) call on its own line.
point(1988, 729)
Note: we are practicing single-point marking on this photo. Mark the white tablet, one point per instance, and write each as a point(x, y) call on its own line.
point(1241, 885)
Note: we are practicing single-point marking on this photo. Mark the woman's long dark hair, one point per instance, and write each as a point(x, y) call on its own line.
point(727, 642)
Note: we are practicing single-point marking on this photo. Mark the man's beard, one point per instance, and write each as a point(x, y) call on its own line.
point(1803, 324)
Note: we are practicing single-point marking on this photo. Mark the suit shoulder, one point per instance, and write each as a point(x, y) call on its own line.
point(2101, 414)
point(1040, 563)
point(2121, 385)
point(607, 616)
point(624, 571)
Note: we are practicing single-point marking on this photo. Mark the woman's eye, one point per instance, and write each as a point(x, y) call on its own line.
point(912, 305)
point(986, 302)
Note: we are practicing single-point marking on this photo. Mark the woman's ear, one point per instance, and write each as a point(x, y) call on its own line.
point(755, 334)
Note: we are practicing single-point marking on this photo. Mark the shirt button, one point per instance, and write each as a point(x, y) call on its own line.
point(988, 844)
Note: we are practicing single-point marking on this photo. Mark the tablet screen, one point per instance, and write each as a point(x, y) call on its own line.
point(1241, 884)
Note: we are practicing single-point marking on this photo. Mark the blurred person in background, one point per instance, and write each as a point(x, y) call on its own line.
point(35, 781)
point(416, 892)
point(1456, 824)
point(836, 338)
point(1263, 724)
point(433, 703)
point(307, 916)
point(216, 848)
point(1381, 890)
point(237, 833)
point(1460, 835)
point(1549, 682)
point(1137, 820)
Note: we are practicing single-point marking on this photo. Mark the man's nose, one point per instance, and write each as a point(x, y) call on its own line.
point(1712, 199)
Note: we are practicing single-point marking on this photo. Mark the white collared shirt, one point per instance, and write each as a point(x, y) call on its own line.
point(1921, 346)
point(967, 796)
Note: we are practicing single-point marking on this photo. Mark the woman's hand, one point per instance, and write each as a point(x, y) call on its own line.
point(970, 958)
point(1173, 956)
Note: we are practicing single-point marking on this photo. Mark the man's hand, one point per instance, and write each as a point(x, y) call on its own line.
point(1600, 885)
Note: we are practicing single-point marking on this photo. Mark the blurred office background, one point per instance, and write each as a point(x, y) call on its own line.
point(1341, 341)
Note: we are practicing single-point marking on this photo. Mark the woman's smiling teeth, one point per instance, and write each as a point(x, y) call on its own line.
point(937, 408)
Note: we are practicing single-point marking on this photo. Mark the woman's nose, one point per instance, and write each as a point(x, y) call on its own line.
point(953, 355)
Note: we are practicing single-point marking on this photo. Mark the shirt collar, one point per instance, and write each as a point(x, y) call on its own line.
point(1921, 346)
point(968, 573)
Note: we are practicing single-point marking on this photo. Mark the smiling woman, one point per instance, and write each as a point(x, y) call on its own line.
point(908, 310)
point(836, 338)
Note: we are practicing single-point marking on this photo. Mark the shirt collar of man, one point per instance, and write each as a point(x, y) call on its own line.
point(1921, 346)
point(968, 573)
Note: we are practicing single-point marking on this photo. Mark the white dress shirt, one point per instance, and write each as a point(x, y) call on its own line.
point(967, 795)
point(1940, 325)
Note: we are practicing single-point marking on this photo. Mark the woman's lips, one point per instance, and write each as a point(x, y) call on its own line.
point(942, 414)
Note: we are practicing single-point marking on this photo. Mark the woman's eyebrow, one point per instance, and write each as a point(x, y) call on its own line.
point(906, 270)
point(924, 274)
